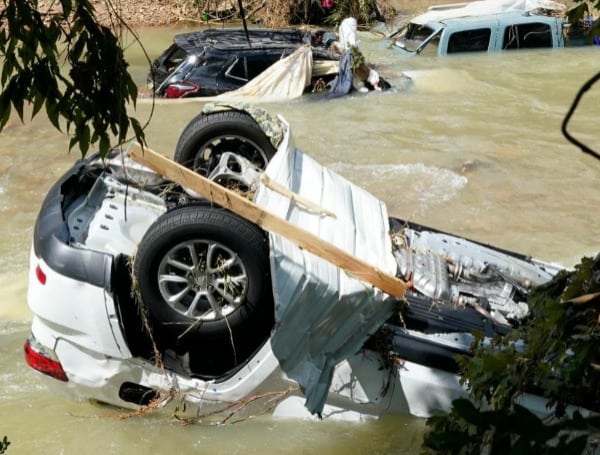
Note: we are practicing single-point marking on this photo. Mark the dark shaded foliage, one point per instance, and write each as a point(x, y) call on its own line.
point(555, 354)
point(4, 445)
point(71, 65)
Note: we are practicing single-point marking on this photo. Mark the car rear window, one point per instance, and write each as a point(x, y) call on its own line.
point(530, 35)
point(175, 55)
point(469, 40)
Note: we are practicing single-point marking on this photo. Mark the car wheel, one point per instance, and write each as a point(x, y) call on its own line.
point(208, 136)
point(203, 275)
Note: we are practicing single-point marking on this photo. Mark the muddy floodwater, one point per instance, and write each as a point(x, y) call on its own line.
point(473, 147)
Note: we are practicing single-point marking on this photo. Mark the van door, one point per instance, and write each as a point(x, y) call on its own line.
point(470, 40)
point(528, 35)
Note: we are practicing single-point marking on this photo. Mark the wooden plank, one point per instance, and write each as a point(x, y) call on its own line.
point(269, 222)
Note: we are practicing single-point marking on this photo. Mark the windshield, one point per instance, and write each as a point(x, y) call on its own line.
point(417, 36)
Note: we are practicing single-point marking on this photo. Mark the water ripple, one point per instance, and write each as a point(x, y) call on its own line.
point(424, 186)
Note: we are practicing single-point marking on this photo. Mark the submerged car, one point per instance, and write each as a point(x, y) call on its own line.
point(215, 61)
point(270, 64)
point(143, 290)
point(487, 25)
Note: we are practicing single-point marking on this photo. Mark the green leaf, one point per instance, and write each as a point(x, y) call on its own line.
point(38, 102)
point(465, 409)
point(104, 145)
point(18, 100)
point(53, 113)
point(138, 131)
point(5, 108)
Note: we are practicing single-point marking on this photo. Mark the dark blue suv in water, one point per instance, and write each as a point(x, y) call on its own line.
point(210, 62)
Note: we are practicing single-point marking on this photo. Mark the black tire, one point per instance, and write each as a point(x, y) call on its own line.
point(207, 257)
point(208, 136)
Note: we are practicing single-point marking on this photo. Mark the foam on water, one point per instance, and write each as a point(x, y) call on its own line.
point(441, 80)
point(424, 186)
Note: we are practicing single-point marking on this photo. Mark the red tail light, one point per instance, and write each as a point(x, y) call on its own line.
point(181, 89)
point(41, 276)
point(43, 360)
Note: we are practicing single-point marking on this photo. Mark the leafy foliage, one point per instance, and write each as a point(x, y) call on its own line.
point(71, 65)
point(281, 13)
point(4, 445)
point(582, 10)
point(470, 431)
point(555, 354)
point(364, 11)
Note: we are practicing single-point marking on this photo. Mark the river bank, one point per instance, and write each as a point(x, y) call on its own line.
point(152, 13)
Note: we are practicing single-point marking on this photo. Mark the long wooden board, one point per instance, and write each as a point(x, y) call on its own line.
point(269, 222)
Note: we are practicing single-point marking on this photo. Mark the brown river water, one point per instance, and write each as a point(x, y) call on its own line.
point(474, 147)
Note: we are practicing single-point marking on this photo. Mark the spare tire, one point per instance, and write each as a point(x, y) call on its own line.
point(203, 275)
point(208, 136)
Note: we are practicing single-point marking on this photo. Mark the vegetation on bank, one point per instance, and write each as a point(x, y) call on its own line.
point(282, 13)
point(89, 99)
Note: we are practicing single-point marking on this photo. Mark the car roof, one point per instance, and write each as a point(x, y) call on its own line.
point(235, 38)
point(509, 17)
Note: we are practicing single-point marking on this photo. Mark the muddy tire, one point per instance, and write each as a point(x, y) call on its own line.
point(208, 136)
point(203, 275)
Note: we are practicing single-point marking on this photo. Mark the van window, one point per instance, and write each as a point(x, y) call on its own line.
point(469, 40)
point(527, 36)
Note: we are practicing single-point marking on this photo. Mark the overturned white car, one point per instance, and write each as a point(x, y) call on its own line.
point(143, 291)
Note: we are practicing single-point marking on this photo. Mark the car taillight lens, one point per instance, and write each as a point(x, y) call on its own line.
point(43, 360)
point(41, 276)
point(181, 89)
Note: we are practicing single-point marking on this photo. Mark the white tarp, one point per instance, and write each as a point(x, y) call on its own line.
point(323, 315)
point(285, 79)
point(483, 7)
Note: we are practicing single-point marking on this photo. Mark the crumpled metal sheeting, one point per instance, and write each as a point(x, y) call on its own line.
point(323, 314)
point(323, 317)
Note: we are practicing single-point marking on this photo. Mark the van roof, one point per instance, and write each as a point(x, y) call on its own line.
point(483, 8)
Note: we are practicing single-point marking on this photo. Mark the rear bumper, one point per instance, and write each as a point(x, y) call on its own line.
point(50, 236)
